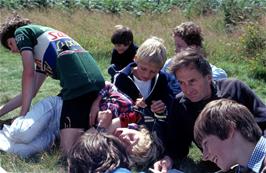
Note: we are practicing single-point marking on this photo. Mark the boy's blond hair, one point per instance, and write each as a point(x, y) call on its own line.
point(153, 51)
point(148, 149)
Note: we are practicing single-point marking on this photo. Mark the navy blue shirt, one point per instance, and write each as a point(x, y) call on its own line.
point(122, 60)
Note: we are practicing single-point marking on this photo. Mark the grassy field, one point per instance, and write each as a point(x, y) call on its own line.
point(93, 31)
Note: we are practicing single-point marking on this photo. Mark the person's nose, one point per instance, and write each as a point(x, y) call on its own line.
point(186, 88)
point(206, 155)
point(190, 89)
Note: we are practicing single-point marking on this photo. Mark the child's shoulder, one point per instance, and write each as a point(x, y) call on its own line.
point(134, 46)
point(163, 75)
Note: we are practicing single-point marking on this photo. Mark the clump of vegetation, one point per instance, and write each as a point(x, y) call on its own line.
point(234, 10)
point(258, 70)
point(239, 11)
point(200, 8)
point(253, 41)
point(252, 45)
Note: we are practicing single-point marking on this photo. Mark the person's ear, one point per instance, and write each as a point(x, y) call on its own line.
point(209, 78)
point(135, 58)
point(232, 130)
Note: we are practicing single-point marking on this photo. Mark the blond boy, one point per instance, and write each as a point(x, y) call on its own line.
point(146, 85)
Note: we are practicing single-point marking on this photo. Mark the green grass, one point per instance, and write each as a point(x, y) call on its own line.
point(93, 31)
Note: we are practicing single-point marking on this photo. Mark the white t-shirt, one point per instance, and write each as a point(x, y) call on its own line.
point(143, 86)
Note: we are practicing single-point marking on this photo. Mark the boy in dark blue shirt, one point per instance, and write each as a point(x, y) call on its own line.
point(124, 49)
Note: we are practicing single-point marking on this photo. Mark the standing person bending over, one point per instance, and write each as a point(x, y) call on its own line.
point(57, 55)
point(229, 135)
point(124, 49)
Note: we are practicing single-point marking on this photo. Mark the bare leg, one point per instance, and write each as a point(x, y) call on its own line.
point(68, 136)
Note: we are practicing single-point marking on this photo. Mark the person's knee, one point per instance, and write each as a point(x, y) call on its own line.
point(25, 129)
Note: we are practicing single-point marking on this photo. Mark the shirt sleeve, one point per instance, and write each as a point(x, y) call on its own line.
point(237, 90)
point(254, 104)
point(179, 133)
point(24, 39)
point(218, 73)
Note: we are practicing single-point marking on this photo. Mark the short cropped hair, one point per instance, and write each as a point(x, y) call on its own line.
point(191, 58)
point(148, 149)
point(219, 116)
point(190, 33)
point(122, 35)
point(152, 50)
point(9, 27)
point(97, 152)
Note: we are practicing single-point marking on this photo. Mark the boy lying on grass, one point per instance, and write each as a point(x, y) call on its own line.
point(37, 131)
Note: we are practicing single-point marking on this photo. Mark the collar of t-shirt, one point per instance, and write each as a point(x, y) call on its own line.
point(143, 86)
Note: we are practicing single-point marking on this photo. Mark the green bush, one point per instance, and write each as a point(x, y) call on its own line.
point(258, 69)
point(252, 45)
point(198, 7)
point(253, 41)
point(236, 11)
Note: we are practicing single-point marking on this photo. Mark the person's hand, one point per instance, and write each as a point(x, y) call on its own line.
point(104, 118)
point(140, 102)
point(163, 165)
point(158, 106)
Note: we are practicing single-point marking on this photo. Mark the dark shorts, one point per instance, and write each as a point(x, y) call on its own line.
point(75, 112)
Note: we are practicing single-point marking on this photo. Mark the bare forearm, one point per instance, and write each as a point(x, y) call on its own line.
point(28, 81)
point(11, 105)
point(27, 92)
point(17, 101)
point(97, 101)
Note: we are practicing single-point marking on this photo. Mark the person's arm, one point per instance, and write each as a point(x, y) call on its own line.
point(27, 81)
point(11, 105)
point(94, 110)
point(243, 94)
point(17, 100)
